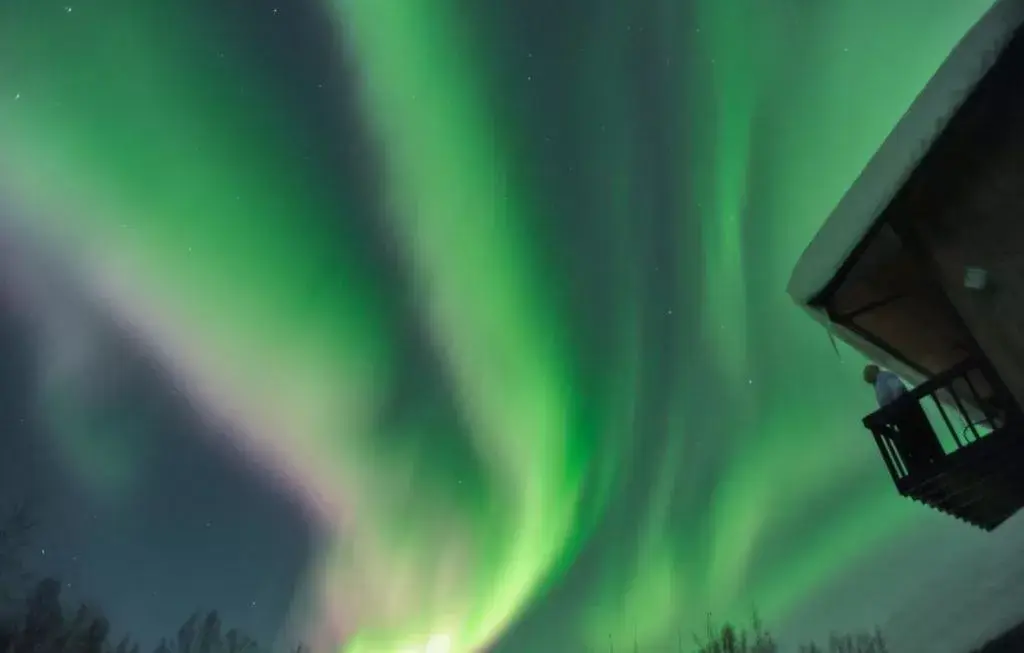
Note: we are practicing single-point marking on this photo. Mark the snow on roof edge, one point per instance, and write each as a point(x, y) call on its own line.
point(903, 149)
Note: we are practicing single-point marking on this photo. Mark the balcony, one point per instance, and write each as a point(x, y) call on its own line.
point(972, 465)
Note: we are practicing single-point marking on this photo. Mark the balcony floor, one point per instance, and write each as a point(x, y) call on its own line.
point(981, 483)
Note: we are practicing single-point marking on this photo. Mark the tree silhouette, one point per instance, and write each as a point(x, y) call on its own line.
point(43, 625)
point(756, 639)
point(15, 537)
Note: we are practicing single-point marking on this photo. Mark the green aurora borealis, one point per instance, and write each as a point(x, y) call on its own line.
point(497, 287)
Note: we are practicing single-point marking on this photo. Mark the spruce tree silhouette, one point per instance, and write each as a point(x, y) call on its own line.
point(43, 619)
point(15, 537)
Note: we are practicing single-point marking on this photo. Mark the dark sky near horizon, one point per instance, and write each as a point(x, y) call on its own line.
point(458, 322)
point(201, 530)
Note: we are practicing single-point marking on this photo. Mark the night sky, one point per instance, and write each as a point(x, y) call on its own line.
point(397, 322)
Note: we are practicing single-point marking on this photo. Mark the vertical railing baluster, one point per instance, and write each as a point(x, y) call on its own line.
point(942, 411)
point(901, 464)
point(963, 412)
point(982, 403)
point(883, 448)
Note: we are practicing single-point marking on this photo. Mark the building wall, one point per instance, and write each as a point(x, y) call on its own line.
point(964, 207)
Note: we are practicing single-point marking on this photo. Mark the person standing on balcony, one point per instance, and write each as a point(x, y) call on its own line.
point(918, 444)
point(888, 387)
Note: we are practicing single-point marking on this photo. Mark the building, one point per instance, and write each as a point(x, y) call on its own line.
point(921, 268)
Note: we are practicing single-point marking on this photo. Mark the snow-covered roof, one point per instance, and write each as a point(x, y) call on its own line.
point(895, 161)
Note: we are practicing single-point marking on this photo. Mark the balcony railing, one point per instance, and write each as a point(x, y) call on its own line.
point(965, 401)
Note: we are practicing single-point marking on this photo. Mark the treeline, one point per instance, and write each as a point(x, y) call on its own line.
point(756, 639)
point(44, 626)
point(41, 624)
